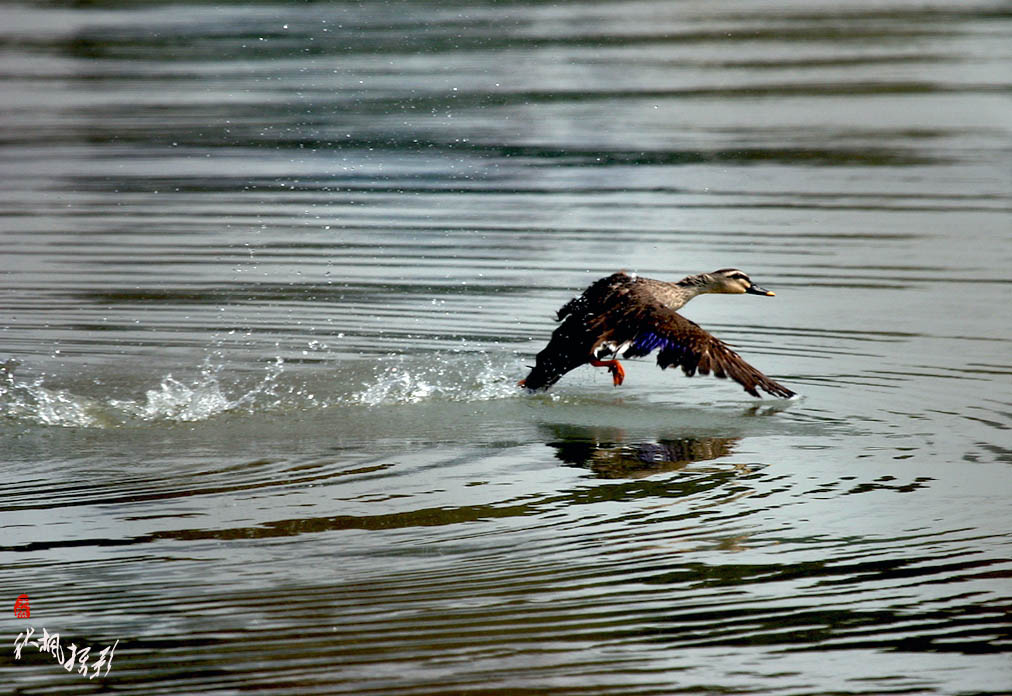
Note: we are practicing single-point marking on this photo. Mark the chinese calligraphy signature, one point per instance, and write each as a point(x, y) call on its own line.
point(50, 643)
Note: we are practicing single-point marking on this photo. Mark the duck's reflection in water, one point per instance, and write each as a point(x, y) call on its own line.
point(609, 454)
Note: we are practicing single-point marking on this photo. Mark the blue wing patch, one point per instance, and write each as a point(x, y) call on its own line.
point(672, 352)
point(646, 343)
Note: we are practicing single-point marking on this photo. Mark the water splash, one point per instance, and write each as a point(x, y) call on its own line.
point(476, 376)
point(174, 400)
point(200, 400)
point(459, 376)
point(33, 402)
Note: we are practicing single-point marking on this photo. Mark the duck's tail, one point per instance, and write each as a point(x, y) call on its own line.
point(542, 376)
point(563, 353)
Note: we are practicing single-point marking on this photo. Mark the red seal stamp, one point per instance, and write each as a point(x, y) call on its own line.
point(21, 610)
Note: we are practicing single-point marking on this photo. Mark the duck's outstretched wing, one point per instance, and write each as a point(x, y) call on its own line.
point(601, 297)
point(683, 343)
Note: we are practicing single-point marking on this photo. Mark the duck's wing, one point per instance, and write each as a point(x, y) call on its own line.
point(683, 343)
point(600, 297)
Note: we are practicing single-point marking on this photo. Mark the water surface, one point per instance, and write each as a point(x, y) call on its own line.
point(271, 272)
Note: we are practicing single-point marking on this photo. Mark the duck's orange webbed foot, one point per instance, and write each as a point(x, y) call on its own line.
point(614, 367)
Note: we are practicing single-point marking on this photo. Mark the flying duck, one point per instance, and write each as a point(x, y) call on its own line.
point(626, 316)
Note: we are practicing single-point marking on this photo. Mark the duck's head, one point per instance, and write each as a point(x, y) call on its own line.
point(733, 281)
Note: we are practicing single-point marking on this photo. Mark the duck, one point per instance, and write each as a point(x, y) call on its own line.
point(627, 316)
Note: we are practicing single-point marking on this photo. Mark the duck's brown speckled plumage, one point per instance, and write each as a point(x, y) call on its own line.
point(626, 316)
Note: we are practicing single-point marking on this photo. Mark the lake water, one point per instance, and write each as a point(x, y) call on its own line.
point(270, 273)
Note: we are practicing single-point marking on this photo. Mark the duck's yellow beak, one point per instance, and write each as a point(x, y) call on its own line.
point(756, 290)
